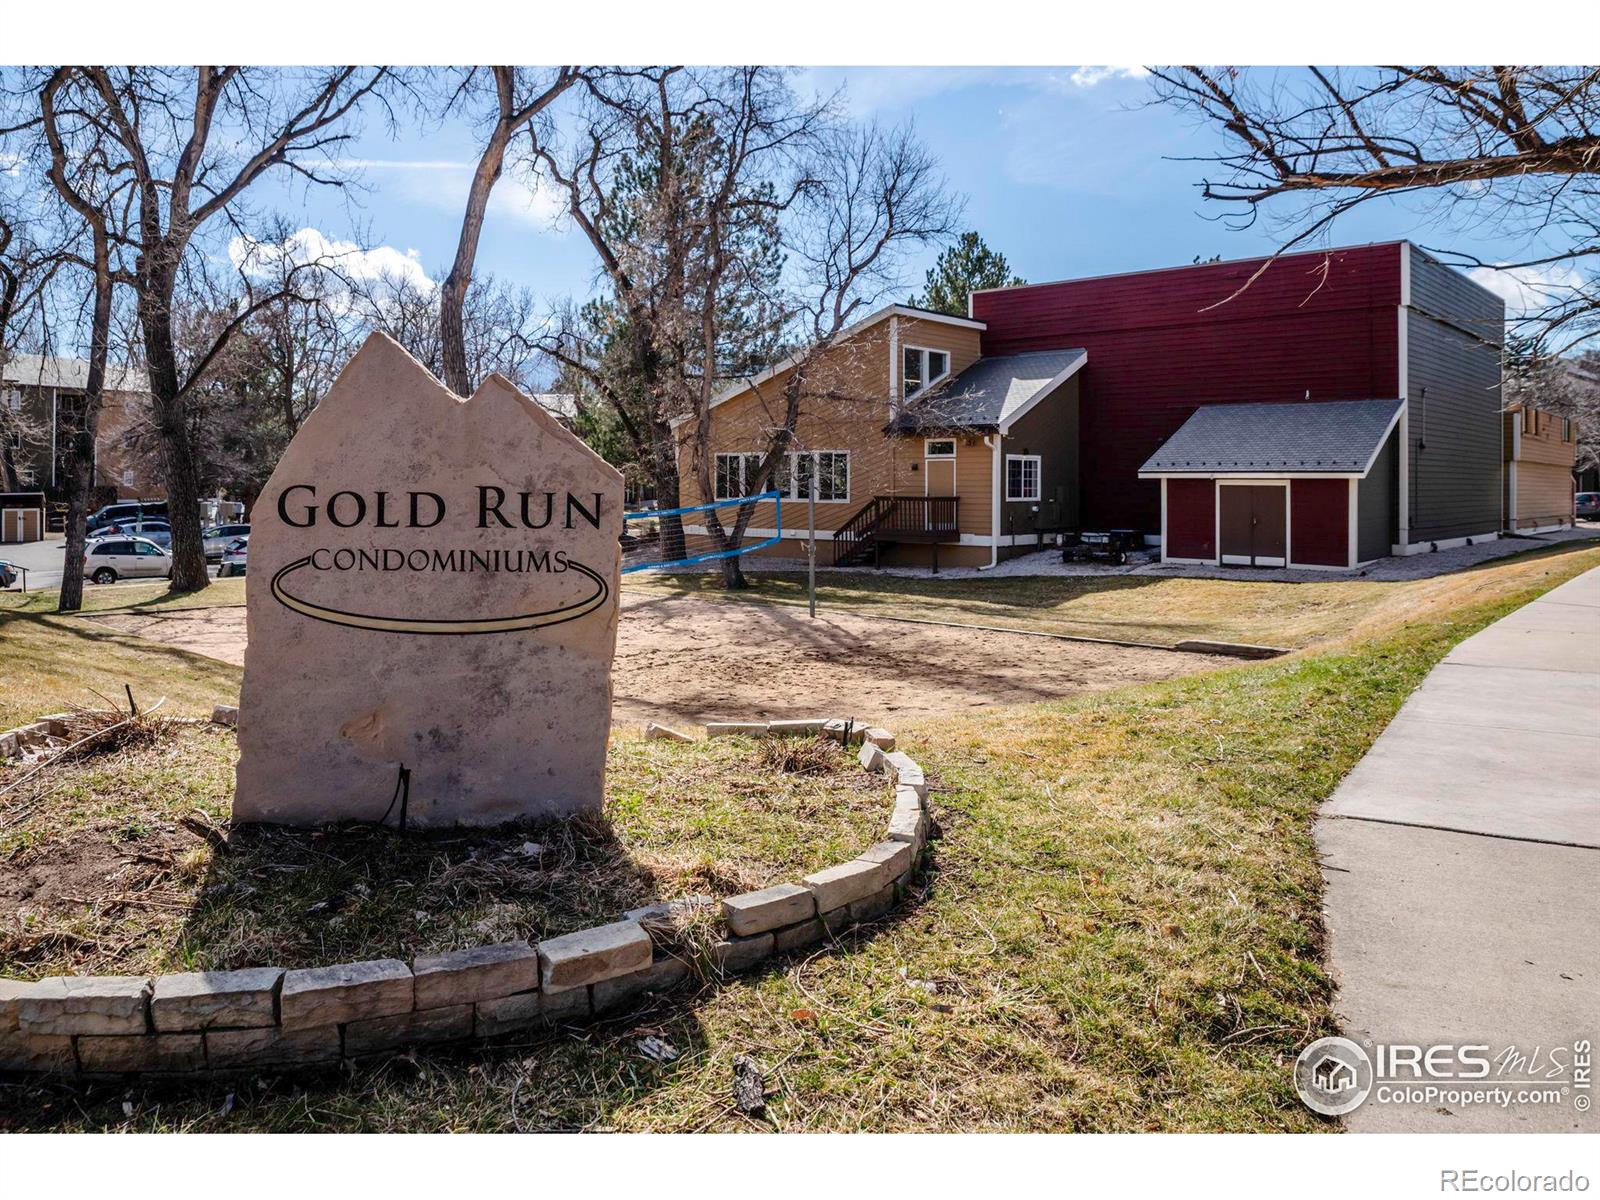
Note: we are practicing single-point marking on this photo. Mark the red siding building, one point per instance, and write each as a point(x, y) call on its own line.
point(1380, 322)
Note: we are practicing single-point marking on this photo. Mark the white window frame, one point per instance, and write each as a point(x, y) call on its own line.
point(743, 457)
point(786, 478)
point(793, 490)
point(923, 352)
point(1038, 478)
point(928, 445)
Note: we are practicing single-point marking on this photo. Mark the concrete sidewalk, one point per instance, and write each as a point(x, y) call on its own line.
point(1462, 860)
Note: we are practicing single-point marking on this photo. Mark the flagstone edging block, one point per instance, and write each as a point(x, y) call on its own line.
point(206, 1022)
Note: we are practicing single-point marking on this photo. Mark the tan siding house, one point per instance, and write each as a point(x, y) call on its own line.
point(1540, 452)
point(905, 428)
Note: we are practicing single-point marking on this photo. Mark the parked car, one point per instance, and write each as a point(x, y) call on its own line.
point(219, 537)
point(114, 558)
point(233, 558)
point(1587, 505)
point(155, 529)
point(127, 510)
point(8, 574)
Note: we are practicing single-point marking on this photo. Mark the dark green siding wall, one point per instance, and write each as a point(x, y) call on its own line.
point(1377, 515)
point(1454, 331)
point(1050, 431)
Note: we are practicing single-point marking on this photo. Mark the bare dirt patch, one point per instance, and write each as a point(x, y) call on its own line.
point(684, 659)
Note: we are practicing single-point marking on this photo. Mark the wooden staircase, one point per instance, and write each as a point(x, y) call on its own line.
point(888, 520)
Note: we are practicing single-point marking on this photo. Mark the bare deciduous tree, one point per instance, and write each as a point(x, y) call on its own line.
point(23, 274)
point(194, 141)
point(93, 186)
point(730, 217)
point(519, 98)
point(1519, 146)
point(872, 196)
point(1569, 388)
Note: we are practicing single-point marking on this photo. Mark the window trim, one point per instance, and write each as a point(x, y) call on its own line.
point(1038, 478)
point(791, 489)
point(929, 443)
point(815, 455)
point(927, 383)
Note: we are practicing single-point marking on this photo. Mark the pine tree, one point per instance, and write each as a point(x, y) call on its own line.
point(966, 267)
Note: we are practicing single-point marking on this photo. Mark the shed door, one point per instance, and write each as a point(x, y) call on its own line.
point(1254, 524)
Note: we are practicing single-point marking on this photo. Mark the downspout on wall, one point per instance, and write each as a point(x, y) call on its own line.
point(993, 442)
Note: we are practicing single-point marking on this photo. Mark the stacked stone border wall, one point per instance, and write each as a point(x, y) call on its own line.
point(112, 1026)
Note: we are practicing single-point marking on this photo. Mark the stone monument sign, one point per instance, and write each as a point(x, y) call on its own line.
point(432, 609)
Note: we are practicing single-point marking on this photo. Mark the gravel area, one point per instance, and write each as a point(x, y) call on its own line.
point(1048, 563)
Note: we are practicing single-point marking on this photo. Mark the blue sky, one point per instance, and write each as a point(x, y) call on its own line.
point(1067, 171)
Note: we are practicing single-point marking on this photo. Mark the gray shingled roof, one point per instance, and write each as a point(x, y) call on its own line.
point(69, 374)
point(989, 392)
point(1330, 435)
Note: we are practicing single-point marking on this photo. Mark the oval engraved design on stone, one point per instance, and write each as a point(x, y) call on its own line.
point(444, 625)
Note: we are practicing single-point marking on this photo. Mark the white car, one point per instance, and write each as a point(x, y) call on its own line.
point(219, 537)
point(114, 558)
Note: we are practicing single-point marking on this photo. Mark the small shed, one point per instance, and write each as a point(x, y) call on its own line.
point(21, 516)
point(1308, 485)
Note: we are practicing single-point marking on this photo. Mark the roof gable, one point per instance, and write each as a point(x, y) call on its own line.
point(993, 392)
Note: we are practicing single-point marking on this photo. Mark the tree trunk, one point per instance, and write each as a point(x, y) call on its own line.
point(179, 468)
point(80, 484)
point(453, 293)
point(663, 471)
point(85, 427)
point(733, 579)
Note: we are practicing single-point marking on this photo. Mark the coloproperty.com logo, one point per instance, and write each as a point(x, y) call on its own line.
point(1337, 1075)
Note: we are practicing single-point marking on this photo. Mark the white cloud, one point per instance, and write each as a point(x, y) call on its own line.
point(869, 90)
point(1088, 77)
point(875, 89)
point(540, 204)
point(348, 258)
point(403, 164)
point(442, 184)
point(1529, 289)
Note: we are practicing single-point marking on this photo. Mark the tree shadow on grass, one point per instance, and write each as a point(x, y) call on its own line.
point(577, 1074)
point(309, 897)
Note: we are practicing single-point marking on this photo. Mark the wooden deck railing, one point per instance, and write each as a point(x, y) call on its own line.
point(888, 519)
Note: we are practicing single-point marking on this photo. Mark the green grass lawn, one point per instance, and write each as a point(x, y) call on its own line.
point(49, 662)
point(1120, 930)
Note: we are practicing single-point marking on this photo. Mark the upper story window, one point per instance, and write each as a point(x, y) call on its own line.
point(921, 367)
point(1566, 429)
